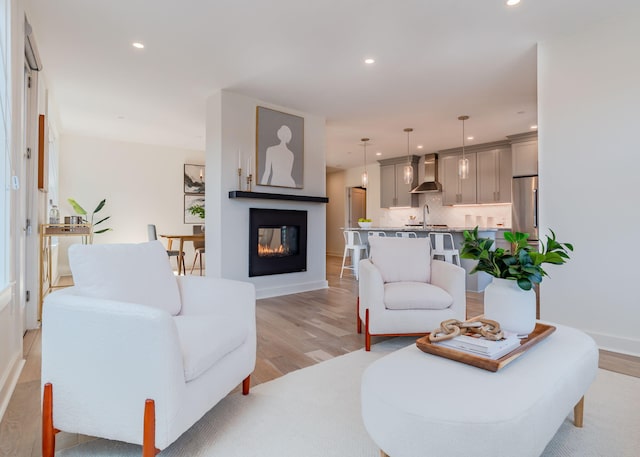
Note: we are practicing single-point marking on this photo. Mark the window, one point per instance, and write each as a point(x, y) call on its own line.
point(5, 149)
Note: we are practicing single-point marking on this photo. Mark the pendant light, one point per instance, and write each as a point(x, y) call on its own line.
point(365, 176)
point(408, 169)
point(463, 163)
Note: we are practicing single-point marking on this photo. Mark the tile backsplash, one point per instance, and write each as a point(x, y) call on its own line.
point(453, 216)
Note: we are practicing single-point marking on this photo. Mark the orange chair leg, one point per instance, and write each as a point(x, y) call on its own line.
point(367, 335)
point(48, 431)
point(359, 322)
point(246, 384)
point(149, 430)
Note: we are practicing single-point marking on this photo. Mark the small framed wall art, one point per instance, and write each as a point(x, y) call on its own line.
point(279, 149)
point(193, 179)
point(193, 209)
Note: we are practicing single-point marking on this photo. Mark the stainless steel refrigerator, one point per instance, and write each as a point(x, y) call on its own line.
point(524, 213)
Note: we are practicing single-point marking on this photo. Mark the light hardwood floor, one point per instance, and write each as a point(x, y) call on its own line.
point(294, 332)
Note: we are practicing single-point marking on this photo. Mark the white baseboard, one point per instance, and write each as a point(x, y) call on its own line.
point(614, 343)
point(8, 383)
point(267, 292)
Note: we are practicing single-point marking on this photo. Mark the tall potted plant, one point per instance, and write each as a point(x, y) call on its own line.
point(510, 299)
point(82, 212)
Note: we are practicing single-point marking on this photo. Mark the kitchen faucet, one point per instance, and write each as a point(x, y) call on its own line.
point(425, 211)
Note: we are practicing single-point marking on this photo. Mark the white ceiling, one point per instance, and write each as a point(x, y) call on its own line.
point(435, 60)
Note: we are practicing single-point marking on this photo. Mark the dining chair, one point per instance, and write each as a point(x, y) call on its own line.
point(153, 236)
point(198, 247)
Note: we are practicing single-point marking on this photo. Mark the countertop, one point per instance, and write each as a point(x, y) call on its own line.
point(428, 229)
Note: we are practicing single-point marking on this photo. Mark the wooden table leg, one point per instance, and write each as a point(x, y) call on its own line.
point(180, 256)
point(578, 413)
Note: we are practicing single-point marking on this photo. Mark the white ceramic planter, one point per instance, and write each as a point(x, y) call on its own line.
point(512, 307)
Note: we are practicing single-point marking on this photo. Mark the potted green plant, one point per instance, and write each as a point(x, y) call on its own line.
point(82, 212)
point(510, 298)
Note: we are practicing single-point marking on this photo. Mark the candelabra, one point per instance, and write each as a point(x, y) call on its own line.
point(249, 179)
point(239, 178)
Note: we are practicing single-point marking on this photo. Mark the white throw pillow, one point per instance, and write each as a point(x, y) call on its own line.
point(133, 273)
point(401, 259)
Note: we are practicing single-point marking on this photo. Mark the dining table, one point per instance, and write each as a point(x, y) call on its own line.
point(182, 238)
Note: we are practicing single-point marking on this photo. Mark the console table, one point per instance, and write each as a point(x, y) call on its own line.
point(47, 232)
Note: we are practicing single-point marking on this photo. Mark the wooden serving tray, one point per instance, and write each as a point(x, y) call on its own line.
point(540, 332)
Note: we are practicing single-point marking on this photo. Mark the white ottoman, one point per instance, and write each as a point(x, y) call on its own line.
point(417, 404)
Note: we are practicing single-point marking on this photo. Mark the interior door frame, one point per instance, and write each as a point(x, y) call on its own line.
point(353, 213)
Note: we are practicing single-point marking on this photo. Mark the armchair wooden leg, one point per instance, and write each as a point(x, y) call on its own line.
point(149, 430)
point(358, 321)
point(200, 258)
point(578, 413)
point(48, 431)
point(367, 335)
point(246, 385)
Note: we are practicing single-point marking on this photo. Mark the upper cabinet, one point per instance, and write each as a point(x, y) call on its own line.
point(393, 190)
point(494, 175)
point(489, 178)
point(524, 154)
point(456, 191)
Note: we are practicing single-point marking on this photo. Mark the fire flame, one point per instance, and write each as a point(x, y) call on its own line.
point(268, 251)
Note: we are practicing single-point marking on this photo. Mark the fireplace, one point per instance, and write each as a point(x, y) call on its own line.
point(277, 241)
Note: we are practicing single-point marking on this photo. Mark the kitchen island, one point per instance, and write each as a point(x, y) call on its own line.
point(474, 282)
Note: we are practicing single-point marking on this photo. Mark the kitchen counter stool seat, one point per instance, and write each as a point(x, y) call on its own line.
point(353, 242)
point(442, 246)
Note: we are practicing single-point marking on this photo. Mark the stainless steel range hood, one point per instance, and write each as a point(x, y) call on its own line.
point(430, 183)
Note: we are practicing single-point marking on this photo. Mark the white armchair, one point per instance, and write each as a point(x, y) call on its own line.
point(404, 292)
point(134, 354)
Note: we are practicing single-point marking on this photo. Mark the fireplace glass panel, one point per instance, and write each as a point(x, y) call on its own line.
point(278, 241)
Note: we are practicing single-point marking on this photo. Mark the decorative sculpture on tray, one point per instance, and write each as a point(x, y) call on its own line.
point(453, 327)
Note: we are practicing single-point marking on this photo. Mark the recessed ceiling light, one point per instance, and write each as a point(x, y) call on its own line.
point(534, 127)
point(469, 138)
point(369, 61)
point(378, 153)
point(137, 45)
point(420, 146)
point(512, 2)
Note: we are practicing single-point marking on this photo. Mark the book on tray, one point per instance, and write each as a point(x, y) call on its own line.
point(478, 345)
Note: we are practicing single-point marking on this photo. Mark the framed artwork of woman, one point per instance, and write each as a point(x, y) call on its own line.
point(279, 149)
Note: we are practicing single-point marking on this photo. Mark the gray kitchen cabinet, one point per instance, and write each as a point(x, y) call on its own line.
point(493, 175)
point(524, 152)
point(393, 190)
point(456, 191)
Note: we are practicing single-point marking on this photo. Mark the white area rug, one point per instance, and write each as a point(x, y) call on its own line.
point(315, 412)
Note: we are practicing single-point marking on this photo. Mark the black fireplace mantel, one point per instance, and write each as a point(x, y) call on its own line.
point(270, 196)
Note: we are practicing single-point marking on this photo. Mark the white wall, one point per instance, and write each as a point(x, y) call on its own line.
point(231, 121)
point(143, 184)
point(588, 98)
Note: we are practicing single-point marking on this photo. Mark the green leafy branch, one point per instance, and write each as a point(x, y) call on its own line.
point(82, 212)
point(197, 210)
